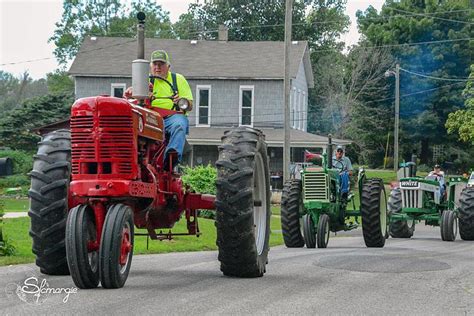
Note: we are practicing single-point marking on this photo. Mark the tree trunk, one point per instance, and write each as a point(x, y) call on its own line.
point(425, 151)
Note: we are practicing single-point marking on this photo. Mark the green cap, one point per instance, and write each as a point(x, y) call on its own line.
point(160, 55)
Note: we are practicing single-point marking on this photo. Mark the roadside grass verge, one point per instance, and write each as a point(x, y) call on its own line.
point(15, 205)
point(16, 229)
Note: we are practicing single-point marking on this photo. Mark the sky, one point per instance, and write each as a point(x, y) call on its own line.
point(26, 26)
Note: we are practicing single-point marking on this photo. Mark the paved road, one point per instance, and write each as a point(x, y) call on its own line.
point(423, 275)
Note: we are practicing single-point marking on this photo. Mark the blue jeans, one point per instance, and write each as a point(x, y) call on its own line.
point(176, 128)
point(344, 182)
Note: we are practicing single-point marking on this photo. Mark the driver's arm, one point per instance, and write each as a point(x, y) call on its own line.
point(348, 166)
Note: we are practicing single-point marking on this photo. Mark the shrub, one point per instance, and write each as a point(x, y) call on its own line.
point(22, 160)
point(6, 247)
point(14, 181)
point(201, 179)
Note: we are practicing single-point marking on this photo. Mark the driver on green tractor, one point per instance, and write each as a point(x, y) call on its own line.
point(438, 175)
point(343, 163)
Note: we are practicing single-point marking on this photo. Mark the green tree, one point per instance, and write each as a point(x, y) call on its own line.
point(16, 127)
point(442, 27)
point(59, 82)
point(462, 121)
point(104, 18)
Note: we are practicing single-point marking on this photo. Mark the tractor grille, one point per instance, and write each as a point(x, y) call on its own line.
point(115, 147)
point(116, 141)
point(412, 198)
point(315, 186)
point(82, 141)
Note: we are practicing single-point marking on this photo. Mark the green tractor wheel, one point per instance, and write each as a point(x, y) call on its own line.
point(290, 214)
point(308, 231)
point(323, 231)
point(374, 213)
point(449, 226)
point(466, 214)
point(399, 229)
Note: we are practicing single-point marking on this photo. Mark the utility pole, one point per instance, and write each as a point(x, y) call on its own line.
point(286, 85)
point(397, 117)
point(396, 73)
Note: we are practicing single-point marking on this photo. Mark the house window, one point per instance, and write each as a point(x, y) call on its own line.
point(303, 112)
point(203, 111)
point(246, 102)
point(117, 89)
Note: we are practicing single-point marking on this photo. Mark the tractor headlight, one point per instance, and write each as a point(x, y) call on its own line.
point(183, 104)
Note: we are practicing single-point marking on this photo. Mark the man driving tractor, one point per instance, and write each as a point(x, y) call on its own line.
point(169, 84)
point(343, 163)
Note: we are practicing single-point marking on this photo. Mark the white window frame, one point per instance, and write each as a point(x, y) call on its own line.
point(304, 112)
point(117, 85)
point(241, 89)
point(300, 110)
point(293, 107)
point(203, 87)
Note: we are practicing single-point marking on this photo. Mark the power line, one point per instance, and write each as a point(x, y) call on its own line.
point(405, 44)
point(78, 53)
point(436, 78)
point(433, 17)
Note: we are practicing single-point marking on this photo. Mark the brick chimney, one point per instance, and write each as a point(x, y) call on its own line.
point(223, 33)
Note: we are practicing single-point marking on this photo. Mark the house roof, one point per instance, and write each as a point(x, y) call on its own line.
point(273, 136)
point(112, 57)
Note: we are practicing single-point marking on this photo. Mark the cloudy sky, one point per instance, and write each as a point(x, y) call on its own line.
point(26, 25)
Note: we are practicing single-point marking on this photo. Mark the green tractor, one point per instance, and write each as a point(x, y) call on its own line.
point(436, 199)
point(314, 206)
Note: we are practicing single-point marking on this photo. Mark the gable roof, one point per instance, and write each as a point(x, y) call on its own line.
point(112, 57)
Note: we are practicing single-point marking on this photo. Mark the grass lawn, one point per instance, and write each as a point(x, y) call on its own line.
point(386, 175)
point(15, 205)
point(16, 229)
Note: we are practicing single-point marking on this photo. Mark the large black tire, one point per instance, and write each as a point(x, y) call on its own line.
point(466, 214)
point(323, 231)
point(117, 234)
point(48, 194)
point(81, 231)
point(309, 232)
point(374, 213)
point(449, 226)
point(291, 202)
point(243, 203)
point(398, 229)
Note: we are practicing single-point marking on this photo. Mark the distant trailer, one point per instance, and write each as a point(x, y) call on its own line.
point(6, 167)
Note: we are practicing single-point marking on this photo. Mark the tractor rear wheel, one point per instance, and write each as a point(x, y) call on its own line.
point(466, 214)
point(308, 231)
point(81, 238)
point(116, 246)
point(48, 194)
point(243, 203)
point(398, 229)
point(374, 213)
point(291, 202)
point(323, 231)
point(449, 226)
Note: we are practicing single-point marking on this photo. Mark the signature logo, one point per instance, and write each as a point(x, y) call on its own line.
point(35, 291)
point(409, 184)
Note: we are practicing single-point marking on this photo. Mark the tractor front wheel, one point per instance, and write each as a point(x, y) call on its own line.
point(399, 229)
point(243, 203)
point(49, 201)
point(291, 203)
point(466, 214)
point(308, 231)
point(374, 213)
point(116, 246)
point(449, 226)
point(323, 231)
point(82, 247)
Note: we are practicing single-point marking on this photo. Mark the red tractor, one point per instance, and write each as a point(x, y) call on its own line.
point(91, 186)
